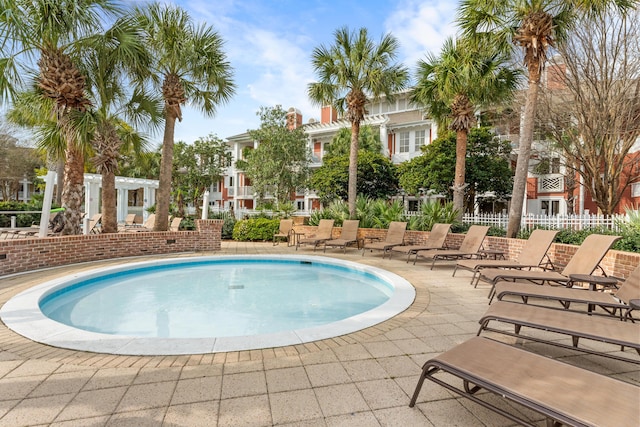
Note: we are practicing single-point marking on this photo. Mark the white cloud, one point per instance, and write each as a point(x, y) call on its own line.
point(421, 27)
point(280, 70)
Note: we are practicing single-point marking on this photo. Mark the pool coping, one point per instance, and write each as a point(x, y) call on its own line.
point(22, 315)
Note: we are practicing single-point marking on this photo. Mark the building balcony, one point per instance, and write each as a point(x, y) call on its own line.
point(552, 183)
point(245, 192)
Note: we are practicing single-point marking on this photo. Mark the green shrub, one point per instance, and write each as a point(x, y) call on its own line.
point(22, 220)
point(255, 229)
point(228, 224)
point(188, 223)
point(433, 213)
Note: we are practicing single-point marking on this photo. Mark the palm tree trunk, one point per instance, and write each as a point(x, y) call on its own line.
point(72, 190)
point(458, 183)
point(109, 213)
point(59, 182)
point(166, 167)
point(524, 153)
point(353, 168)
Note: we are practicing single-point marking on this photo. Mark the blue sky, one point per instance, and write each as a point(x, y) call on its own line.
point(269, 44)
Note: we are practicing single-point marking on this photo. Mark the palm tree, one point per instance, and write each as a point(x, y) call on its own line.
point(349, 72)
point(192, 66)
point(453, 86)
point(49, 33)
point(534, 26)
point(116, 67)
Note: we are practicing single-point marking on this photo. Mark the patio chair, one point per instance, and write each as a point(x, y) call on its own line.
point(468, 248)
point(562, 393)
point(348, 235)
point(394, 237)
point(130, 219)
point(435, 240)
point(146, 226)
point(610, 302)
point(94, 224)
point(175, 224)
point(323, 233)
point(285, 229)
point(532, 255)
point(584, 261)
point(570, 323)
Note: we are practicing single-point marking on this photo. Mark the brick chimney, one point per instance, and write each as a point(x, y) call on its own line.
point(294, 118)
point(328, 114)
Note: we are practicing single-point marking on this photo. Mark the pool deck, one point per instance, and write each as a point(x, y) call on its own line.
point(361, 379)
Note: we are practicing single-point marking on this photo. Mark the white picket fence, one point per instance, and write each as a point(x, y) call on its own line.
point(559, 222)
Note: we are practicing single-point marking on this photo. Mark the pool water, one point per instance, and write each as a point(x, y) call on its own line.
point(186, 306)
point(216, 299)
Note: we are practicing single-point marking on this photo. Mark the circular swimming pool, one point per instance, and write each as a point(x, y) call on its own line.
point(207, 304)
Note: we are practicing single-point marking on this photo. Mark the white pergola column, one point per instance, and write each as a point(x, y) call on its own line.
point(25, 190)
point(148, 201)
point(122, 203)
point(91, 198)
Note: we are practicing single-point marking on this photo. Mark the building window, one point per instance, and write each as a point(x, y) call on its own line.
point(403, 145)
point(550, 207)
point(230, 181)
point(420, 139)
point(300, 205)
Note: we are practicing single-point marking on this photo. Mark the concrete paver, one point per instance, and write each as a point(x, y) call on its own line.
point(361, 379)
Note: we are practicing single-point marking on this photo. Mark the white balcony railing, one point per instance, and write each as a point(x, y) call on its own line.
point(550, 183)
point(246, 191)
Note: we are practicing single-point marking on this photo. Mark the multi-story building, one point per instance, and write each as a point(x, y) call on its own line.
point(403, 130)
point(553, 188)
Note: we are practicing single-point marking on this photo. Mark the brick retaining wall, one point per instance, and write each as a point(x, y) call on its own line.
point(19, 255)
point(615, 263)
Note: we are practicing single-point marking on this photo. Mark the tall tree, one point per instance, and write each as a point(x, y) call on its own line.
point(453, 85)
point(17, 162)
point(190, 65)
point(49, 34)
point(279, 165)
point(377, 177)
point(196, 167)
point(593, 110)
point(534, 27)
point(348, 72)
point(340, 145)
point(116, 68)
point(488, 167)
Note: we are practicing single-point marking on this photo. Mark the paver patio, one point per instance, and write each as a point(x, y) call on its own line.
point(361, 379)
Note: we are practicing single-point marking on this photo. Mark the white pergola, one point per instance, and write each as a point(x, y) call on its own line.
point(93, 183)
point(92, 186)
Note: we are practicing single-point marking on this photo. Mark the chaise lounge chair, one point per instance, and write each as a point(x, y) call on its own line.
point(348, 235)
point(175, 224)
point(436, 239)
point(532, 255)
point(394, 237)
point(324, 233)
point(611, 303)
point(564, 322)
point(146, 226)
point(94, 224)
point(286, 227)
point(562, 393)
point(584, 261)
point(468, 248)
